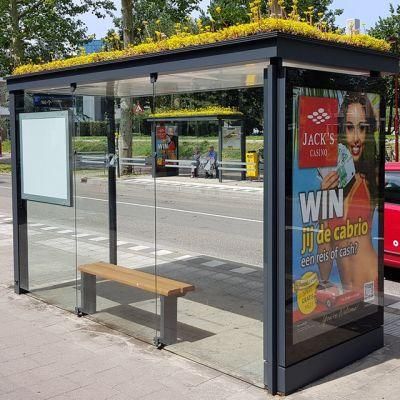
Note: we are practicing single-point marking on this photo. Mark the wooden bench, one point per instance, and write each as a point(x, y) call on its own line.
point(168, 289)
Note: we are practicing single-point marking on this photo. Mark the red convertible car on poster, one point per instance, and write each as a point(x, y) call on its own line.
point(392, 215)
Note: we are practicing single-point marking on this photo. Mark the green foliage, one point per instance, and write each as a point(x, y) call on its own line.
point(222, 13)
point(141, 145)
point(37, 30)
point(113, 40)
point(157, 19)
point(5, 168)
point(93, 128)
point(389, 28)
point(318, 10)
point(90, 144)
point(6, 146)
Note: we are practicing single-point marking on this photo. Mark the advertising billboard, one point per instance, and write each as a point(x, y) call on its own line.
point(166, 144)
point(335, 218)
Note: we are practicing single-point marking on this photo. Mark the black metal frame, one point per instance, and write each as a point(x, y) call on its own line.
point(278, 48)
point(19, 206)
point(300, 364)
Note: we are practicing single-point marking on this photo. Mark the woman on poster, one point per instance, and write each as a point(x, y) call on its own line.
point(357, 125)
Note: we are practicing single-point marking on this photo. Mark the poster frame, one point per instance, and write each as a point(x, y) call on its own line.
point(295, 353)
point(68, 119)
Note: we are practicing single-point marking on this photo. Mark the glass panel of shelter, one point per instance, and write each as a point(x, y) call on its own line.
point(209, 231)
point(135, 313)
point(208, 234)
point(91, 190)
point(51, 228)
point(115, 209)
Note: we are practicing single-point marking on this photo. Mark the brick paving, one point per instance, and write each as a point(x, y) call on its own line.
point(49, 353)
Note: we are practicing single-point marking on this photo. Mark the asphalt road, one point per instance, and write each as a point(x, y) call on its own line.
point(219, 224)
point(222, 224)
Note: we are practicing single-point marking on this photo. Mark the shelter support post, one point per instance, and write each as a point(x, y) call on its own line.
point(271, 227)
point(243, 149)
point(88, 293)
point(19, 206)
point(112, 185)
point(220, 148)
point(169, 315)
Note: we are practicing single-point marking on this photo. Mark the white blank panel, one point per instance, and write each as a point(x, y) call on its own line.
point(45, 154)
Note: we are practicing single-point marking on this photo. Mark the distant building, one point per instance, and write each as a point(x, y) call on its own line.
point(94, 46)
point(353, 26)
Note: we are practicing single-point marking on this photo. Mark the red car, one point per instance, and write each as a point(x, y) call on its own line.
point(327, 295)
point(392, 215)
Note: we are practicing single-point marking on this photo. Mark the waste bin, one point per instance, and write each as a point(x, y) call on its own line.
point(252, 164)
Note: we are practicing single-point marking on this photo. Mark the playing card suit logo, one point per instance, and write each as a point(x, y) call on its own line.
point(319, 117)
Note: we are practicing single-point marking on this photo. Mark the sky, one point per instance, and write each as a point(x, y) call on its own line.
point(367, 11)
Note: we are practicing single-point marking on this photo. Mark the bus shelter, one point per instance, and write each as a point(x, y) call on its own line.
point(183, 142)
point(278, 285)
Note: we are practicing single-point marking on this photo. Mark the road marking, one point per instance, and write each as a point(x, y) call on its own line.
point(175, 210)
point(7, 219)
point(36, 225)
point(121, 242)
point(213, 263)
point(66, 231)
point(183, 257)
point(49, 228)
point(98, 239)
point(138, 248)
point(192, 184)
point(161, 252)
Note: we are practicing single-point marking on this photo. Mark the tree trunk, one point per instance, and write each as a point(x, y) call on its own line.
point(125, 143)
point(127, 22)
point(125, 138)
point(17, 46)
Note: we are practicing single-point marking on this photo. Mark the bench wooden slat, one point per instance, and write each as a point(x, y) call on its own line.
point(139, 279)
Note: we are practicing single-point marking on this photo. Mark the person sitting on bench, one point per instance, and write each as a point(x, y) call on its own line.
point(211, 165)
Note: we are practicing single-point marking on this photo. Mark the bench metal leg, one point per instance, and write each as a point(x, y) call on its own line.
point(169, 313)
point(88, 293)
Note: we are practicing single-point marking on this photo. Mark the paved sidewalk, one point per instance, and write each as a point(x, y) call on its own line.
point(48, 353)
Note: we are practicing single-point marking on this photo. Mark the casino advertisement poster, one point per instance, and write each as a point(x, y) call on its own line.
point(334, 208)
point(166, 144)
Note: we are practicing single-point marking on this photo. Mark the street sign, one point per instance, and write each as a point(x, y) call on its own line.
point(137, 109)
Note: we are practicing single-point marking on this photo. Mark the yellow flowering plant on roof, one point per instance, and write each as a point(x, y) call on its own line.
point(207, 36)
point(197, 112)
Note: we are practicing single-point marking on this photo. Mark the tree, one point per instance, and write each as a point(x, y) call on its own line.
point(142, 19)
point(125, 142)
point(38, 30)
point(222, 13)
point(152, 19)
point(314, 10)
point(389, 29)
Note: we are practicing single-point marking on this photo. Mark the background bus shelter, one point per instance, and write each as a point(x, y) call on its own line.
point(229, 159)
point(281, 64)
